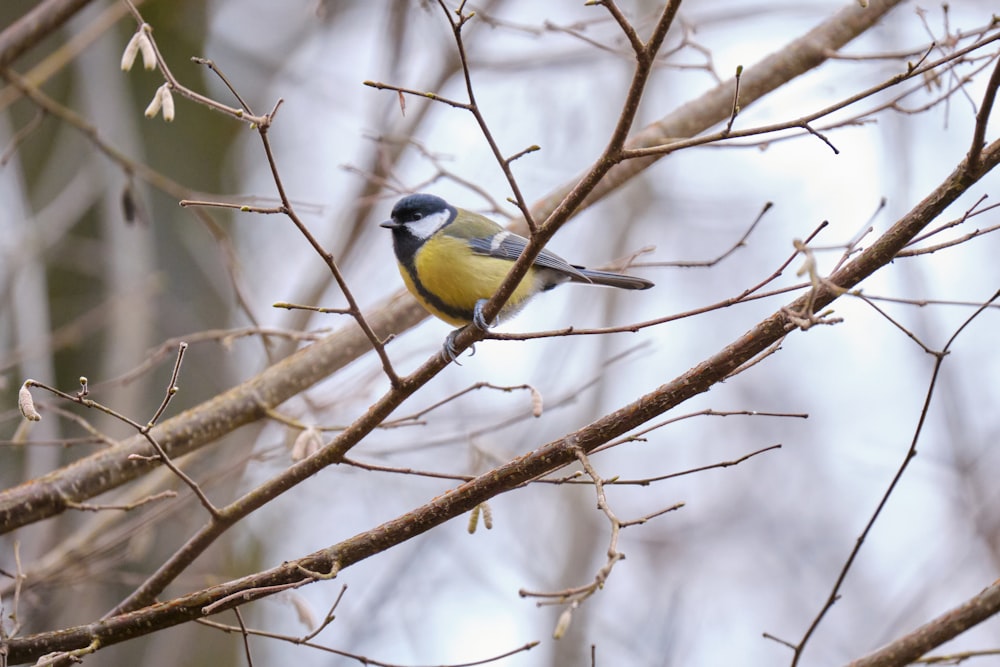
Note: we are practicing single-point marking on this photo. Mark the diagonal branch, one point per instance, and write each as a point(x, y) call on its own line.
point(948, 625)
point(983, 116)
point(43, 19)
point(645, 54)
point(939, 357)
point(45, 497)
point(524, 469)
point(792, 60)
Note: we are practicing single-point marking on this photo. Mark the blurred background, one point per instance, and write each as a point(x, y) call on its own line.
point(99, 266)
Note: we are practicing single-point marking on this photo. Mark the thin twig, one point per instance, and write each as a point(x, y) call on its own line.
point(125, 507)
point(245, 635)
point(911, 452)
point(736, 100)
point(172, 387)
point(983, 117)
point(176, 86)
point(804, 121)
point(362, 659)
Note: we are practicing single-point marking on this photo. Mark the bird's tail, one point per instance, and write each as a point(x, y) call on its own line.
point(612, 279)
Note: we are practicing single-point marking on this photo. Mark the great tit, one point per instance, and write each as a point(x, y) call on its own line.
point(453, 260)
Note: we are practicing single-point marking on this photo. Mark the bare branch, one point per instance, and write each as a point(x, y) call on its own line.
point(939, 358)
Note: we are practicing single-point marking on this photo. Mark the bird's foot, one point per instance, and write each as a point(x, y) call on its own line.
point(450, 352)
point(477, 316)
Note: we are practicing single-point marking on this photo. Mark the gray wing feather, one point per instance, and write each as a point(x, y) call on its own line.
point(509, 246)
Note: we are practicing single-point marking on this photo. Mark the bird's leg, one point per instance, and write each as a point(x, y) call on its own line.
point(477, 316)
point(449, 352)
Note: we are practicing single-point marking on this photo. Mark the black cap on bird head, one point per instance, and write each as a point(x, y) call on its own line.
point(415, 207)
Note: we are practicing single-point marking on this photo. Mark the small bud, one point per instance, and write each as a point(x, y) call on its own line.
point(482, 509)
point(147, 50)
point(133, 211)
point(163, 99)
point(128, 204)
point(27, 405)
point(562, 625)
point(140, 43)
point(474, 519)
point(130, 52)
point(536, 402)
point(307, 443)
point(154, 105)
point(303, 610)
point(168, 103)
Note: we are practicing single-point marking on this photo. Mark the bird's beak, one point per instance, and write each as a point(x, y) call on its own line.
point(389, 224)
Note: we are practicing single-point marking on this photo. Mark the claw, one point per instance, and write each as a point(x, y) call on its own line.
point(477, 316)
point(450, 352)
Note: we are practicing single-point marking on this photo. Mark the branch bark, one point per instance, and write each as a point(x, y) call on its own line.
point(36, 25)
point(541, 461)
point(47, 496)
point(945, 627)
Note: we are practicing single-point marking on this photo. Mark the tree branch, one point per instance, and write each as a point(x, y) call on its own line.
point(715, 106)
point(43, 19)
point(44, 497)
point(524, 469)
point(948, 625)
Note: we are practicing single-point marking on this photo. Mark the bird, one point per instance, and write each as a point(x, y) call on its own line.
point(453, 260)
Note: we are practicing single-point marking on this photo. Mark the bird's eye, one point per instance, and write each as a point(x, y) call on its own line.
point(417, 216)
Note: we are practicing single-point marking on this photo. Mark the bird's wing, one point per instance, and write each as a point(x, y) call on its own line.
point(509, 246)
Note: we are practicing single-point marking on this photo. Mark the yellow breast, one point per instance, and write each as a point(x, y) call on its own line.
point(449, 279)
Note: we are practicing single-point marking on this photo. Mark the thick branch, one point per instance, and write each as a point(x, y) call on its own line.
point(530, 466)
point(206, 423)
point(948, 625)
point(48, 495)
point(34, 26)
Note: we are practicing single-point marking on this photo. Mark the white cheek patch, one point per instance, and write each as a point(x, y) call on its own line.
point(425, 227)
point(497, 241)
